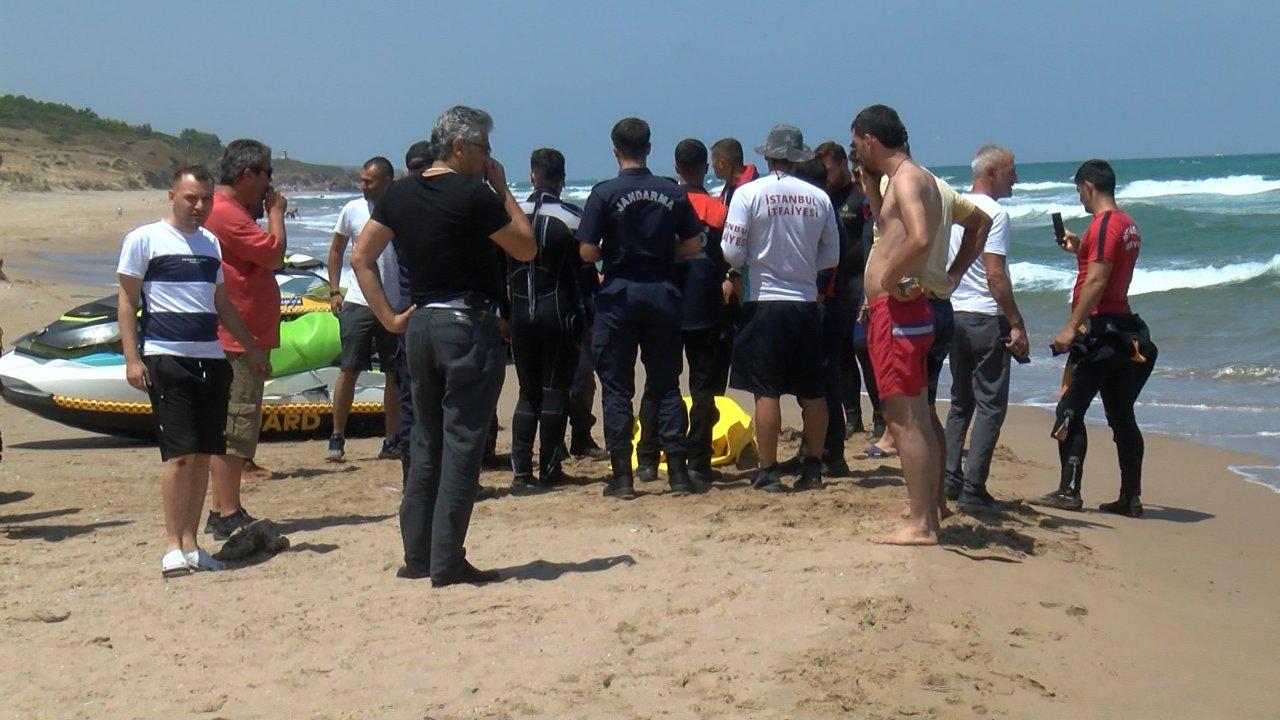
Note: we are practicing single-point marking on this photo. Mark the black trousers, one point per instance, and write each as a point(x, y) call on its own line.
point(457, 363)
point(546, 354)
point(1119, 380)
point(837, 322)
point(708, 352)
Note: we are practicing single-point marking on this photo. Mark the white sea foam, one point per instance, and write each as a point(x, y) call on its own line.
point(1267, 477)
point(1036, 277)
point(1232, 185)
point(1040, 211)
point(1036, 186)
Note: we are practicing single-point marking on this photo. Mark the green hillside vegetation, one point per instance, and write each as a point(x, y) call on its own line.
point(49, 145)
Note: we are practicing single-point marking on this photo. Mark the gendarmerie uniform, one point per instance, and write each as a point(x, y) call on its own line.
point(707, 337)
point(546, 318)
point(638, 219)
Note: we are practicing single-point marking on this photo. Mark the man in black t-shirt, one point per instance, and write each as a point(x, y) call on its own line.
point(706, 329)
point(638, 224)
point(449, 229)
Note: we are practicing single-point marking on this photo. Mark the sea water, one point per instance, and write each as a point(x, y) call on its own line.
point(1207, 283)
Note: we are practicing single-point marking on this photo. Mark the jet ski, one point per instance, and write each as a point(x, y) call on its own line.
point(72, 370)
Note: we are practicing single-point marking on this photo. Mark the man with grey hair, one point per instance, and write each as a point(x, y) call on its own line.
point(250, 257)
point(450, 230)
point(988, 329)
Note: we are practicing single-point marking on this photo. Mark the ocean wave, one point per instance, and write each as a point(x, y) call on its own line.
point(1232, 185)
point(1042, 210)
point(1255, 374)
point(1034, 186)
point(1266, 476)
point(1035, 277)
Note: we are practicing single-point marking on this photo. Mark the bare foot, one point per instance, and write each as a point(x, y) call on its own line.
point(256, 471)
point(908, 535)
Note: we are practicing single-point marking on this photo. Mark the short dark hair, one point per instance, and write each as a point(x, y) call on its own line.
point(1100, 174)
point(691, 154)
point(547, 165)
point(728, 148)
point(883, 122)
point(195, 170)
point(811, 171)
point(833, 150)
point(418, 156)
point(239, 156)
point(382, 164)
point(631, 137)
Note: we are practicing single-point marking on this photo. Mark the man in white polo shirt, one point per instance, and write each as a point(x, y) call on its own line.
point(988, 329)
point(359, 328)
point(780, 232)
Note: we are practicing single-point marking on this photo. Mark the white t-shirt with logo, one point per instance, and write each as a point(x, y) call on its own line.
point(780, 231)
point(179, 273)
point(351, 221)
point(973, 293)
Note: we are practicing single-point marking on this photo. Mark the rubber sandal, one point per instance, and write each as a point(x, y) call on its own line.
point(174, 564)
point(875, 452)
point(198, 559)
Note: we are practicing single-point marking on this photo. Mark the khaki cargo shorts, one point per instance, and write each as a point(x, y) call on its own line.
point(244, 408)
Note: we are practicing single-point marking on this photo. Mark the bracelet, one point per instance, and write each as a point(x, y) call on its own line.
point(334, 292)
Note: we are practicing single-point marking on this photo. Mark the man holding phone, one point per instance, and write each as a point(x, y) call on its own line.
point(250, 257)
point(1110, 347)
point(988, 330)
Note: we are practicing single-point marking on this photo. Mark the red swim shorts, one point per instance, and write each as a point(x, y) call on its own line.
point(899, 335)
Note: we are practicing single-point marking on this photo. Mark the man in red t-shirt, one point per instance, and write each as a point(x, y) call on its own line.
point(250, 257)
point(1110, 347)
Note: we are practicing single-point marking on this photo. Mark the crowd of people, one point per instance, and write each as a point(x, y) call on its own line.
point(827, 273)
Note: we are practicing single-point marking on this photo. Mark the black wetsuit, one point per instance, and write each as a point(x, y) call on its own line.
point(546, 314)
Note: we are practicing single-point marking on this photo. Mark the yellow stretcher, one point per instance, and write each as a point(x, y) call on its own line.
point(732, 434)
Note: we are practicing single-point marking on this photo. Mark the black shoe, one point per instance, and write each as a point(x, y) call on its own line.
point(703, 479)
point(1129, 507)
point(838, 468)
point(768, 480)
point(469, 575)
point(1060, 499)
point(646, 473)
point(551, 478)
point(222, 527)
point(972, 498)
point(413, 573)
point(389, 452)
point(336, 449)
point(792, 464)
point(588, 449)
point(522, 480)
point(953, 485)
point(853, 424)
point(621, 487)
point(810, 475)
point(486, 493)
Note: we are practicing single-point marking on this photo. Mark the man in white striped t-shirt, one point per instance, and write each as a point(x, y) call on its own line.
point(172, 269)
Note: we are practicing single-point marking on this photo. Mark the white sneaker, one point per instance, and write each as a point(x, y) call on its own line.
point(174, 564)
point(198, 559)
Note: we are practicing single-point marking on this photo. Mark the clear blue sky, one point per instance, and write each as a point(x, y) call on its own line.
point(339, 82)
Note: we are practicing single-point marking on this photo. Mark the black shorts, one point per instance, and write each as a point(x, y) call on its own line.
point(944, 328)
point(778, 350)
point(361, 333)
point(189, 402)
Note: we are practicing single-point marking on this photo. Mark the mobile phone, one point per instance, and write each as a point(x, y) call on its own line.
point(1059, 230)
point(1022, 359)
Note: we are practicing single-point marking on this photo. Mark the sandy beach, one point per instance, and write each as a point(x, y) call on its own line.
point(734, 604)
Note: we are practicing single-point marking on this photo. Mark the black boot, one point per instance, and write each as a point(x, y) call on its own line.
point(810, 475)
point(1127, 505)
point(622, 484)
point(585, 446)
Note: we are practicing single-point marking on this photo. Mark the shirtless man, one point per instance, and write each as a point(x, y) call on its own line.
point(900, 329)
